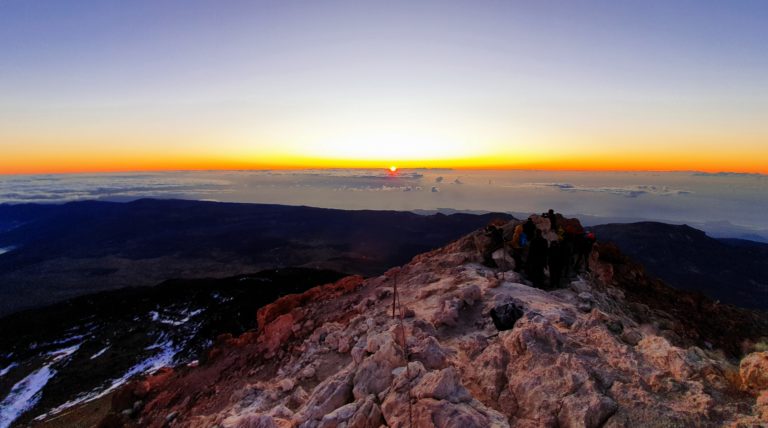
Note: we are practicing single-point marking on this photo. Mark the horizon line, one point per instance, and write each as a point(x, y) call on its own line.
point(383, 168)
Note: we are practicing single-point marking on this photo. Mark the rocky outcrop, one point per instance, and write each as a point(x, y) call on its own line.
point(479, 347)
point(754, 371)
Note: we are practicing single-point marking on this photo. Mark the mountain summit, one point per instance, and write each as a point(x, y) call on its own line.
point(446, 341)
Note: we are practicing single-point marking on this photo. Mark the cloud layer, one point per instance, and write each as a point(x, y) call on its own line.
point(690, 198)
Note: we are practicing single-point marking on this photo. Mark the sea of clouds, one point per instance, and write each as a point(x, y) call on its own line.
point(723, 204)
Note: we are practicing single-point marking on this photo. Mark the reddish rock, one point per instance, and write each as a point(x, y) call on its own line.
point(275, 333)
point(616, 348)
point(754, 371)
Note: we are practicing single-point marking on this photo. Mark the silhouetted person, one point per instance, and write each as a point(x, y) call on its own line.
point(529, 228)
point(556, 264)
point(518, 243)
point(552, 219)
point(566, 249)
point(583, 247)
point(496, 241)
point(590, 244)
point(537, 260)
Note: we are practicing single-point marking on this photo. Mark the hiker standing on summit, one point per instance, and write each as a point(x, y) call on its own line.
point(537, 260)
point(556, 264)
point(519, 242)
point(552, 216)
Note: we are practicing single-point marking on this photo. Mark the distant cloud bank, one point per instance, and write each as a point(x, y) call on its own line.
point(629, 192)
point(674, 197)
point(729, 174)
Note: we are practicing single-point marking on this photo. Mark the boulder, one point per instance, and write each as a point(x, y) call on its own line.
point(363, 413)
point(505, 315)
point(276, 333)
point(430, 353)
point(442, 385)
point(374, 374)
point(286, 384)
point(503, 259)
point(486, 375)
point(445, 414)
point(448, 313)
point(251, 421)
point(754, 371)
point(665, 357)
point(470, 294)
point(329, 395)
point(368, 415)
point(586, 410)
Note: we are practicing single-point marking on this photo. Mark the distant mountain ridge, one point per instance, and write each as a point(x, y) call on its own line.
point(734, 271)
point(62, 251)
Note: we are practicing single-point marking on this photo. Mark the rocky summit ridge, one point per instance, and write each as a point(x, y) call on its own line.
point(473, 346)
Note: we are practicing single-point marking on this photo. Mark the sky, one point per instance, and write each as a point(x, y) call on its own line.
point(109, 85)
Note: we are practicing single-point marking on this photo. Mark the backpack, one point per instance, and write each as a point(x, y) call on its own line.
point(523, 240)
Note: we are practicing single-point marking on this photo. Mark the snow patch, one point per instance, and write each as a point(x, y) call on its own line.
point(5, 371)
point(60, 354)
point(24, 395)
point(150, 365)
point(98, 354)
point(174, 322)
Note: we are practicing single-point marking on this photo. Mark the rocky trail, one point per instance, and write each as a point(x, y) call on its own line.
point(473, 346)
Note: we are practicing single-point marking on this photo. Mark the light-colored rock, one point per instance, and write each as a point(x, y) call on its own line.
point(430, 353)
point(761, 406)
point(307, 372)
point(281, 412)
point(665, 357)
point(344, 345)
point(298, 397)
point(589, 410)
point(448, 313)
point(440, 413)
point(581, 356)
point(328, 396)
point(286, 384)
point(487, 374)
point(753, 370)
point(442, 385)
point(503, 260)
point(470, 294)
point(251, 421)
point(367, 415)
point(374, 374)
point(364, 413)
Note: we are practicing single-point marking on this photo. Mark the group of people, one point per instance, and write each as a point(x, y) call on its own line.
point(562, 249)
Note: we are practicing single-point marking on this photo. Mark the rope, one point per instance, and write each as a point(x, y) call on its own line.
point(397, 303)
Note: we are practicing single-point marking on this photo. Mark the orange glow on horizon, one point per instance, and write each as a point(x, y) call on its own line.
point(573, 163)
point(561, 156)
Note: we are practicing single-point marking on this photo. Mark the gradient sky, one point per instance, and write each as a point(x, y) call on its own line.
point(110, 85)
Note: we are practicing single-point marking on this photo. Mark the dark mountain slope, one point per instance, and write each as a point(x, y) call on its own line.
point(61, 251)
point(80, 348)
point(731, 270)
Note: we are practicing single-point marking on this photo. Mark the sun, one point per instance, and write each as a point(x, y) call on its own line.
point(393, 168)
